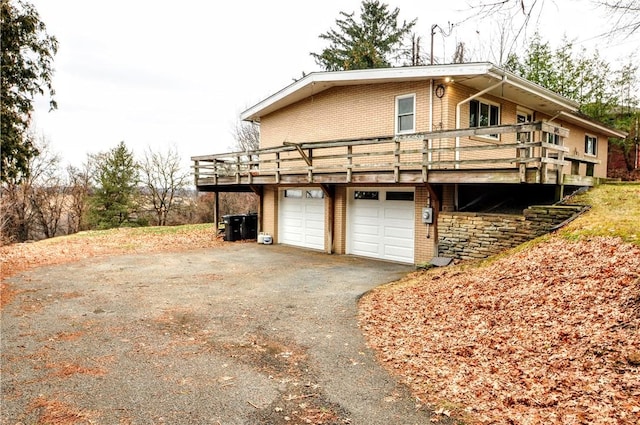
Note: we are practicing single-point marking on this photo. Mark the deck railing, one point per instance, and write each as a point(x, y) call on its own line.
point(416, 154)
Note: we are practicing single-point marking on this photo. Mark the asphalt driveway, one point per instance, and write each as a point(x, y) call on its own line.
point(242, 334)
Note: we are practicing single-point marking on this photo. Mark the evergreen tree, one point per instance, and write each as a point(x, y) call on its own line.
point(372, 42)
point(609, 96)
point(25, 71)
point(116, 178)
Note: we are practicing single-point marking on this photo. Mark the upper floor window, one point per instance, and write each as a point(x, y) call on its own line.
point(590, 145)
point(523, 116)
point(551, 138)
point(405, 114)
point(484, 114)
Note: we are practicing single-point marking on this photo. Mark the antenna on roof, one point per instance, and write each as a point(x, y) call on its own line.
point(444, 34)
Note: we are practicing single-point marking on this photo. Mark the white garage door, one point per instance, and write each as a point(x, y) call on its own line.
point(301, 221)
point(381, 224)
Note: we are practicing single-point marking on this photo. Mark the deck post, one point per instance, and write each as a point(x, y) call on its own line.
point(522, 166)
point(396, 160)
point(216, 209)
point(349, 163)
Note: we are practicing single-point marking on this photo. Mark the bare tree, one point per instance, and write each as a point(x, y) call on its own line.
point(32, 206)
point(517, 13)
point(17, 216)
point(459, 55)
point(79, 187)
point(163, 179)
point(624, 14)
point(47, 199)
point(247, 136)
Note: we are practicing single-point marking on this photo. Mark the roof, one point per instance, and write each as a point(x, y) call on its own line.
point(478, 75)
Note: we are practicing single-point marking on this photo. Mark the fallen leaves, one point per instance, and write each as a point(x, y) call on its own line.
point(547, 335)
point(56, 412)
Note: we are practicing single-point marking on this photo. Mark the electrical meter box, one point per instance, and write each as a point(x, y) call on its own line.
point(427, 215)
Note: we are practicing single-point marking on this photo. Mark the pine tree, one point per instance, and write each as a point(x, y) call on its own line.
point(116, 178)
point(372, 42)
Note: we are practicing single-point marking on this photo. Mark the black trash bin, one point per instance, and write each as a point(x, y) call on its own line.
point(232, 227)
point(249, 229)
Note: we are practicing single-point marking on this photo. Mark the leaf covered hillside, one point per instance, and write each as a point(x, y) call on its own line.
point(549, 333)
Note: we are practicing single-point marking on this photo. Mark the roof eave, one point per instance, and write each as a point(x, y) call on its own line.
point(362, 76)
point(316, 82)
point(593, 125)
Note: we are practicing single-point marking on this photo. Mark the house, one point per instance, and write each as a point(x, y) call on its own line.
point(374, 162)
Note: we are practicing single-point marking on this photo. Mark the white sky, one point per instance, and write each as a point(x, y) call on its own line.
point(158, 73)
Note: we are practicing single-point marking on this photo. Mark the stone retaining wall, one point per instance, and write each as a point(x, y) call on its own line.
point(467, 236)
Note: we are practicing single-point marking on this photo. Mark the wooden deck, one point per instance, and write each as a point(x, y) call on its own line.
point(448, 156)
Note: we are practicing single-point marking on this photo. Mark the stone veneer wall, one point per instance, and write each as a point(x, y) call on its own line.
point(466, 236)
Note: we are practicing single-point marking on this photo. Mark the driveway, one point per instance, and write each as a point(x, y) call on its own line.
point(242, 334)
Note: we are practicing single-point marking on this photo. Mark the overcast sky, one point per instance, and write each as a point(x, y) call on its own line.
point(178, 73)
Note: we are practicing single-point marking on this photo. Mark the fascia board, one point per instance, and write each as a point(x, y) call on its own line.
point(592, 125)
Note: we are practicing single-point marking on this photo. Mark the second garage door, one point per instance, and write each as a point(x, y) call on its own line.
point(301, 220)
point(381, 223)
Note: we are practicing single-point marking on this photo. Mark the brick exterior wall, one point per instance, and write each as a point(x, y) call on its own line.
point(469, 236)
point(425, 237)
point(270, 212)
point(342, 113)
point(340, 221)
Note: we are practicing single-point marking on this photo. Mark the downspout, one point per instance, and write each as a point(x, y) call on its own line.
point(470, 98)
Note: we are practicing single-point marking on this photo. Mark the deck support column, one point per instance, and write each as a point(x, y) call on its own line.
point(329, 208)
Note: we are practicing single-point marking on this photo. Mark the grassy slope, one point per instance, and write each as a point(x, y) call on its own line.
point(615, 211)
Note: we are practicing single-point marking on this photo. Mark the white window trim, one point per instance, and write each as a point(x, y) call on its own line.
point(492, 103)
point(546, 135)
point(595, 145)
point(413, 127)
point(520, 110)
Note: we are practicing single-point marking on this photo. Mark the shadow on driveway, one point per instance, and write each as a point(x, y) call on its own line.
point(242, 334)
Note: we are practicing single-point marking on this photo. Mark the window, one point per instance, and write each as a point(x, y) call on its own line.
point(483, 114)
point(590, 145)
point(405, 114)
point(523, 116)
point(399, 196)
point(293, 193)
point(551, 138)
point(315, 194)
point(299, 193)
point(362, 194)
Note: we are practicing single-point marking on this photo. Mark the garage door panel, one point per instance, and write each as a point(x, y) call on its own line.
point(314, 226)
point(366, 248)
point(302, 221)
point(396, 243)
point(398, 214)
point(314, 241)
point(391, 234)
point(369, 211)
point(400, 257)
point(380, 228)
point(366, 229)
